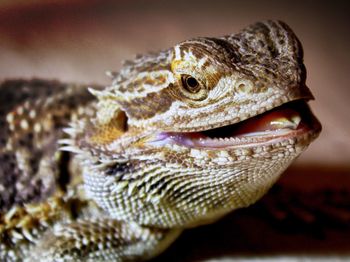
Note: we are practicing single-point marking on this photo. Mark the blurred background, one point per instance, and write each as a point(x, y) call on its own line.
point(74, 40)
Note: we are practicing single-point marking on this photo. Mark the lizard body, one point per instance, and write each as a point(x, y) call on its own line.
point(179, 139)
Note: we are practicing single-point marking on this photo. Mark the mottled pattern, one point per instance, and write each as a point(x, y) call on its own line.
point(124, 184)
point(32, 114)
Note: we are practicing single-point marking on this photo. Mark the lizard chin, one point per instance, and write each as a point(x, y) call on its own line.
point(289, 121)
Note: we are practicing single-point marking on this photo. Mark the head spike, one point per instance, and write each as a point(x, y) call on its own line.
point(100, 95)
point(95, 92)
point(111, 74)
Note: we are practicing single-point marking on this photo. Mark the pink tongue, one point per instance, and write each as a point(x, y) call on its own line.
point(286, 118)
point(283, 118)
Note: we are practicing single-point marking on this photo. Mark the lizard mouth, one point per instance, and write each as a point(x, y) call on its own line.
point(288, 121)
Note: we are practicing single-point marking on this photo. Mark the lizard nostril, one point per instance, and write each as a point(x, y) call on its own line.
point(241, 87)
point(244, 87)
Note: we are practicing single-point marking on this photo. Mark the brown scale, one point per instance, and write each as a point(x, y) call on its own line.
point(28, 152)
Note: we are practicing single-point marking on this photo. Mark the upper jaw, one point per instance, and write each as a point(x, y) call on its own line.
point(233, 108)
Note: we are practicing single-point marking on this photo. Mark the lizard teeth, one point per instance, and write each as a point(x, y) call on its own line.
point(216, 142)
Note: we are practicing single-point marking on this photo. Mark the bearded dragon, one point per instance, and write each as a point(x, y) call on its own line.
point(179, 139)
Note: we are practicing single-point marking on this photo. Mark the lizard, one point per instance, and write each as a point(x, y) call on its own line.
point(179, 139)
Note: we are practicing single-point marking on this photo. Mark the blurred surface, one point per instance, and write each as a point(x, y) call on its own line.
point(79, 40)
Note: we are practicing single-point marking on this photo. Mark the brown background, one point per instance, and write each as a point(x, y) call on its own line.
point(79, 40)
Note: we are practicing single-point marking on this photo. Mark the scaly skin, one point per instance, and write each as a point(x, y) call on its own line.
point(164, 148)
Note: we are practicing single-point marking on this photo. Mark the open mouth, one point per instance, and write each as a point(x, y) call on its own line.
point(284, 122)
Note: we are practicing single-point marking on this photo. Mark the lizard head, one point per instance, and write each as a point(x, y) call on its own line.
point(206, 83)
point(186, 135)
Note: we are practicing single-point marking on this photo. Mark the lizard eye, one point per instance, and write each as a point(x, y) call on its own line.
point(190, 83)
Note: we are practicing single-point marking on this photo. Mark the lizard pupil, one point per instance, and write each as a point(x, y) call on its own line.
point(190, 83)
